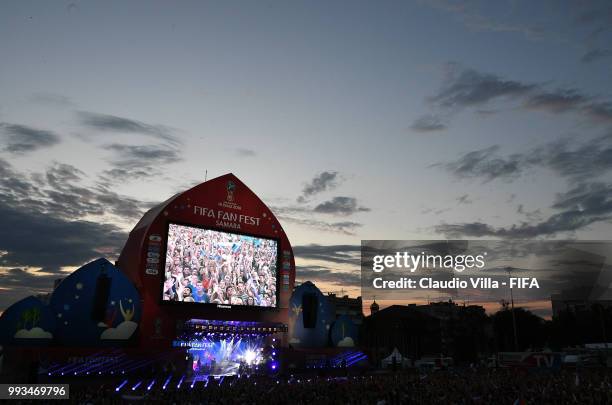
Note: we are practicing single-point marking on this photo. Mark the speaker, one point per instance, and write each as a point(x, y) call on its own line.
point(310, 304)
point(103, 286)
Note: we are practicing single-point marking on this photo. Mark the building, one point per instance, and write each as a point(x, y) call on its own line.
point(347, 306)
point(374, 308)
point(577, 300)
point(436, 329)
point(465, 330)
point(414, 333)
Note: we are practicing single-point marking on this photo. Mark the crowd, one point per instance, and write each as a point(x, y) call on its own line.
point(473, 387)
point(220, 268)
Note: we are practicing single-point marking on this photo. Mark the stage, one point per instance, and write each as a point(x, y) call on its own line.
point(224, 348)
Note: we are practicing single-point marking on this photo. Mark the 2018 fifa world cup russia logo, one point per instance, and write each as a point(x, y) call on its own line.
point(231, 187)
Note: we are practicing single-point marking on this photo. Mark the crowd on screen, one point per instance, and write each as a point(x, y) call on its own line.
point(214, 267)
point(467, 387)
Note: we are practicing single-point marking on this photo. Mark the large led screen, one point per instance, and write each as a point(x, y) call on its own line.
point(213, 267)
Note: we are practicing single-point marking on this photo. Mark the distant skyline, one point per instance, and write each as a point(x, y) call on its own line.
point(352, 120)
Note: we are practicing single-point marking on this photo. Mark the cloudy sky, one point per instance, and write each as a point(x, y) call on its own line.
point(352, 120)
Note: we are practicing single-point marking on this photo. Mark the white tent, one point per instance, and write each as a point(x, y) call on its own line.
point(394, 354)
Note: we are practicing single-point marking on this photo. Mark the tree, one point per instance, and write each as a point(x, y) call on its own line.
point(532, 331)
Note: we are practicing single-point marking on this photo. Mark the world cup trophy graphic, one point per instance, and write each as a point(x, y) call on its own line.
point(231, 187)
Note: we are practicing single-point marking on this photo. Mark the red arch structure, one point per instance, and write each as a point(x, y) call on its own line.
point(224, 204)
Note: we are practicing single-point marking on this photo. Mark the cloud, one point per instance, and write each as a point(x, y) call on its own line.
point(485, 164)
point(436, 211)
point(120, 205)
point(44, 226)
point(60, 174)
point(559, 101)
point(112, 123)
point(34, 239)
point(129, 155)
point(595, 55)
point(52, 99)
point(486, 113)
point(128, 173)
point(303, 216)
point(576, 161)
point(341, 254)
point(579, 207)
point(137, 161)
point(69, 200)
point(428, 123)
point(343, 227)
point(596, 15)
point(570, 100)
point(477, 20)
point(343, 206)
point(340, 206)
point(600, 112)
point(22, 139)
point(468, 87)
point(584, 165)
point(18, 283)
point(567, 158)
point(131, 162)
point(590, 199)
point(325, 181)
point(244, 152)
point(532, 216)
point(464, 199)
point(321, 274)
point(44, 219)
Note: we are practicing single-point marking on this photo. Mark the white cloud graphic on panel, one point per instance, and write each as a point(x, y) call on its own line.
point(125, 329)
point(34, 333)
point(346, 342)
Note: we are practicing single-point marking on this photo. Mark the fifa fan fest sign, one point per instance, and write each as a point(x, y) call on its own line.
point(226, 219)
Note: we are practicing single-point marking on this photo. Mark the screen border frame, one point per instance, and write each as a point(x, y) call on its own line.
point(208, 305)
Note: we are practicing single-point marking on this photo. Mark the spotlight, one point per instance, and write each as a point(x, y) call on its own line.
point(180, 382)
point(167, 381)
point(121, 386)
point(249, 356)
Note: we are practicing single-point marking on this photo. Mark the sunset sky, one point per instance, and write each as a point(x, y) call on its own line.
point(352, 120)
